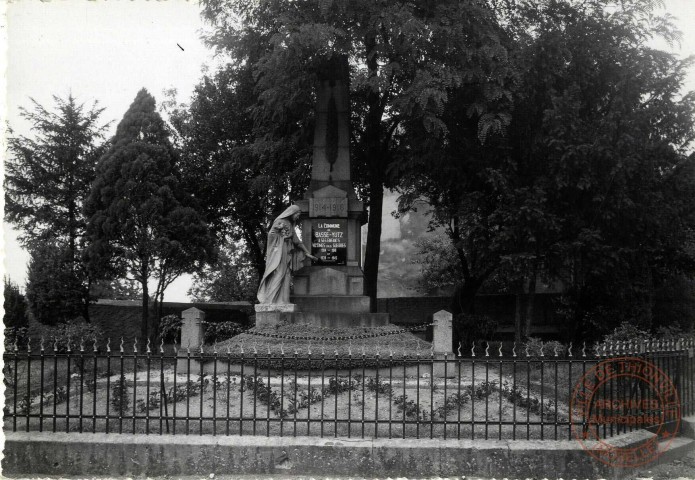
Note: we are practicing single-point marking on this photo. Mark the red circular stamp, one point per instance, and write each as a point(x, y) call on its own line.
point(619, 395)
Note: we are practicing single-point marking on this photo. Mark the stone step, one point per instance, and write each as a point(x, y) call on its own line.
point(331, 303)
point(338, 319)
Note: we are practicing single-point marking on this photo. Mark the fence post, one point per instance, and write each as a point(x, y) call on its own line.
point(191, 337)
point(442, 342)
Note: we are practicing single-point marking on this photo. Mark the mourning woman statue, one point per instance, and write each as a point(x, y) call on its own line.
point(284, 253)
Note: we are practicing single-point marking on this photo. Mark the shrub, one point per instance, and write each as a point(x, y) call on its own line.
point(170, 328)
point(452, 403)
point(74, 331)
point(18, 335)
point(219, 331)
point(409, 407)
point(15, 306)
point(120, 397)
point(469, 328)
point(536, 346)
point(379, 387)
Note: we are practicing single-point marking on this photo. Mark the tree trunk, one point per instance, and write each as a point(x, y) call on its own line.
point(464, 297)
point(531, 299)
point(86, 299)
point(517, 319)
point(371, 257)
point(144, 333)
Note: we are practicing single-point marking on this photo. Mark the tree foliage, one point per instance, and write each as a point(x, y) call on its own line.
point(142, 222)
point(54, 294)
point(15, 305)
point(590, 182)
point(240, 181)
point(232, 278)
point(47, 180)
point(405, 57)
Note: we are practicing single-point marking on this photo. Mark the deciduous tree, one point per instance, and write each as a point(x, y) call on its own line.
point(405, 57)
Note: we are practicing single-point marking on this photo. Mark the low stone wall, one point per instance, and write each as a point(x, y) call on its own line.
point(501, 308)
point(122, 318)
point(135, 455)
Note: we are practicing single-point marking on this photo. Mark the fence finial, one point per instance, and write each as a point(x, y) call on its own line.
point(542, 354)
point(202, 346)
point(29, 345)
point(323, 349)
point(569, 350)
point(554, 349)
point(95, 343)
point(108, 345)
point(458, 350)
point(526, 350)
point(121, 344)
point(241, 346)
point(41, 343)
point(68, 344)
point(350, 348)
point(188, 346)
point(282, 348)
point(135, 345)
point(148, 345)
point(473, 350)
point(55, 343)
point(161, 346)
point(214, 347)
point(390, 349)
point(514, 350)
point(16, 344)
point(81, 344)
point(487, 349)
point(268, 345)
point(500, 350)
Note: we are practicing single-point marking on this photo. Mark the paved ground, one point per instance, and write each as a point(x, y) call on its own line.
point(676, 469)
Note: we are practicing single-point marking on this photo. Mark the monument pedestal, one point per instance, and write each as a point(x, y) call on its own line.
point(273, 314)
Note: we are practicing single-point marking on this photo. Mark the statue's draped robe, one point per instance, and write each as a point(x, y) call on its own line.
point(282, 257)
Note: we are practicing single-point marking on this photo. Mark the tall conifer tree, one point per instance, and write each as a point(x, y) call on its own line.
point(141, 222)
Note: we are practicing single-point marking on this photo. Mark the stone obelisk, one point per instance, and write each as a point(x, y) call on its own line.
point(332, 215)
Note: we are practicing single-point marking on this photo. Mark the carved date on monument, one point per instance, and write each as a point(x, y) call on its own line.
point(329, 241)
point(328, 207)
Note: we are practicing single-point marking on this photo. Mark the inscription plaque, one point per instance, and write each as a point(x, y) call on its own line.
point(329, 241)
point(328, 207)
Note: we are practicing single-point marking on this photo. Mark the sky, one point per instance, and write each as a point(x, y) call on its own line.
point(107, 50)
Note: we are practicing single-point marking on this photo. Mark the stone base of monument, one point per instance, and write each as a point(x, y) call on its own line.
point(328, 311)
point(336, 311)
point(272, 314)
point(326, 280)
point(331, 303)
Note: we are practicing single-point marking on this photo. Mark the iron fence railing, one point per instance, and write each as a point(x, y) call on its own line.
point(491, 393)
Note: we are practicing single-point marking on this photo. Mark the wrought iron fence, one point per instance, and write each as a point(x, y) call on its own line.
point(496, 392)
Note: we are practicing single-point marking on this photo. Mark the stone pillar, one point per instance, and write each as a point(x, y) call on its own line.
point(191, 337)
point(441, 341)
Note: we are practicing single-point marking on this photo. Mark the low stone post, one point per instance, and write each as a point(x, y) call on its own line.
point(441, 342)
point(191, 337)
